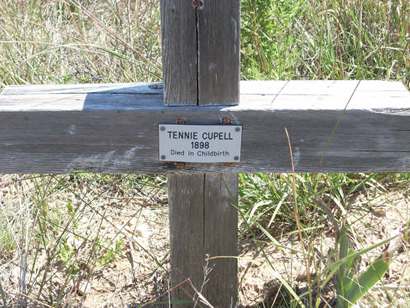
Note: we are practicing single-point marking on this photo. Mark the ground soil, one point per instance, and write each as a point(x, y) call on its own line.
point(139, 272)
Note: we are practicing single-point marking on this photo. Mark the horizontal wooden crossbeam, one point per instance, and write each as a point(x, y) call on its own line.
point(343, 126)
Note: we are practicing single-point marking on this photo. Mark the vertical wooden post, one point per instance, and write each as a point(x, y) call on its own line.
point(200, 41)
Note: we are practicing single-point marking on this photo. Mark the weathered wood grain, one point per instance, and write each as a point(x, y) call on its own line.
point(221, 239)
point(185, 192)
point(250, 87)
point(203, 224)
point(219, 49)
point(217, 81)
point(93, 88)
point(187, 225)
point(180, 54)
point(269, 95)
point(105, 132)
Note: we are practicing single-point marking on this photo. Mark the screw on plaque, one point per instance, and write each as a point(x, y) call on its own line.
point(198, 4)
point(238, 129)
point(236, 158)
point(162, 128)
point(163, 157)
point(226, 121)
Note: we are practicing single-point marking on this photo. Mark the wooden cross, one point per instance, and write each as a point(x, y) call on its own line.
point(288, 126)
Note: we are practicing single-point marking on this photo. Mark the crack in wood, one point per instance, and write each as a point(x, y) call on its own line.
point(198, 55)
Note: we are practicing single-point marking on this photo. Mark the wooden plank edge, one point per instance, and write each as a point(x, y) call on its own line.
point(112, 142)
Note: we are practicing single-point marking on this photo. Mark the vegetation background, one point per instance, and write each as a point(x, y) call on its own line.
point(102, 240)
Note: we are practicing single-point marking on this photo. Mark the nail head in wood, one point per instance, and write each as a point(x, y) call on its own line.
point(198, 4)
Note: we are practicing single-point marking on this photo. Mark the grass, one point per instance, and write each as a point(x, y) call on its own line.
point(299, 208)
point(63, 236)
point(268, 198)
point(7, 244)
point(358, 39)
point(75, 41)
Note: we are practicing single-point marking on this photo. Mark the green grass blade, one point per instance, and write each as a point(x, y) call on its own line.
point(333, 268)
point(367, 280)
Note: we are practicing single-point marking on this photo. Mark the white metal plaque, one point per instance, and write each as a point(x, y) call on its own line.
point(200, 143)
